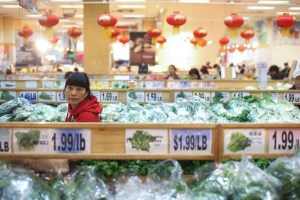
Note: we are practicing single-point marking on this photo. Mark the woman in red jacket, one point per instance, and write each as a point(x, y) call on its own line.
point(82, 105)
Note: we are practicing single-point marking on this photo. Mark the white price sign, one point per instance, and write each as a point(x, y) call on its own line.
point(153, 97)
point(208, 84)
point(109, 97)
point(70, 141)
point(224, 94)
point(47, 96)
point(5, 140)
point(292, 97)
point(9, 84)
point(29, 95)
point(60, 97)
point(184, 95)
point(203, 95)
point(284, 140)
point(274, 95)
point(31, 84)
point(239, 94)
point(185, 84)
point(138, 97)
point(96, 94)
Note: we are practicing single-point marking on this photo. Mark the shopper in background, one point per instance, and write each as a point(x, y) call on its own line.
point(286, 70)
point(194, 73)
point(296, 76)
point(275, 73)
point(172, 73)
point(82, 105)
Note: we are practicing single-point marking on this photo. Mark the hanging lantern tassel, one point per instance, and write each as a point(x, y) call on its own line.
point(75, 39)
point(25, 40)
point(285, 32)
point(113, 39)
point(176, 30)
point(154, 40)
point(199, 41)
point(107, 31)
point(48, 32)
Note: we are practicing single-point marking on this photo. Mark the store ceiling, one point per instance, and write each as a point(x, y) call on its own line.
point(151, 9)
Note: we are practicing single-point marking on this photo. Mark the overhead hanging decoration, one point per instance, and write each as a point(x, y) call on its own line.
point(203, 43)
point(285, 22)
point(74, 33)
point(25, 32)
point(48, 21)
point(223, 42)
point(115, 32)
point(54, 40)
point(176, 20)
point(194, 41)
point(241, 48)
point(199, 34)
point(231, 49)
point(124, 39)
point(247, 34)
point(233, 22)
point(107, 21)
point(154, 33)
point(161, 40)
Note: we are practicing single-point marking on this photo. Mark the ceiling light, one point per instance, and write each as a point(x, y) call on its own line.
point(33, 16)
point(64, 20)
point(131, 6)
point(123, 23)
point(290, 13)
point(78, 16)
point(246, 18)
point(10, 6)
point(194, 1)
point(260, 7)
point(71, 6)
point(134, 16)
point(66, 1)
point(273, 2)
point(294, 8)
point(130, 1)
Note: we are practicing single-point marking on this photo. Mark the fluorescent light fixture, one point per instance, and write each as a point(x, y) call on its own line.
point(260, 7)
point(10, 6)
point(273, 2)
point(131, 6)
point(78, 16)
point(246, 18)
point(33, 16)
point(294, 8)
point(134, 16)
point(130, 1)
point(194, 1)
point(66, 1)
point(70, 25)
point(71, 6)
point(64, 20)
point(291, 13)
point(123, 23)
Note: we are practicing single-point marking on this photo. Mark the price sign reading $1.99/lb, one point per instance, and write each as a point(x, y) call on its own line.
point(109, 96)
point(292, 97)
point(70, 141)
point(153, 97)
point(284, 140)
point(190, 141)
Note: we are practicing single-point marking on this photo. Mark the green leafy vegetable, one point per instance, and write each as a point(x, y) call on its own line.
point(132, 95)
point(238, 141)
point(141, 140)
point(6, 96)
point(45, 96)
point(27, 141)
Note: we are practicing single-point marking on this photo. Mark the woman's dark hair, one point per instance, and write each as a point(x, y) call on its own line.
point(79, 79)
point(204, 70)
point(173, 67)
point(274, 68)
point(67, 74)
point(195, 71)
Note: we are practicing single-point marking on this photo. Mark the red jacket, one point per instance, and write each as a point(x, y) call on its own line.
point(88, 111)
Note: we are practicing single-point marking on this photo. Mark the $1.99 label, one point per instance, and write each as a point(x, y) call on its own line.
point(283, 140)
point(70, 141)
point(190, 141)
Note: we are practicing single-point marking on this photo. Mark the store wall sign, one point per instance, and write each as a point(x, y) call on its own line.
point(61, 97)
point(239, 94)
point(8, 84)
point(135, 96)
point(146, 141)
point(203, 95)
point(225, 96)
point(31, 96)
point(284, 140)
point(243, 141)
point(31, 84)
point(5, 140)
point(109, 96)
point(46, 96)
point(70, 141)
point(96, 94)
point(30, 140)
point(153, 97)
point(292, 97)
point(191, 141)
point(184, 95)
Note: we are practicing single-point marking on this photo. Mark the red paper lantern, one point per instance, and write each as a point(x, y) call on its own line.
point(25, 32)
point(107, 21)
point(124, 39)
point(48, 21)
point(194, 41)
point(285, 22)
point(115, 32)
point(233, 22)
point(54, 40)
point(203, 43)
point(247, 34)
point(74, 33)
point(176, 20)
point(241, 48)
point(200, 33)
point(231, 49)
point(223, 42)
point(154, 33)
point(161, 40)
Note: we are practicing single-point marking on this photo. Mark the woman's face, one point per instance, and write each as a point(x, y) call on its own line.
point(194, 76)
point(297, 82)
point(75, 95)
point(172, 70)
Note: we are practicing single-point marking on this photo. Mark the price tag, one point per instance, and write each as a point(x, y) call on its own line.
point(153, 97)
point(60, 97)
point(138, 97)
point(191, 141)
point(29, 95)
point(70, 141)
point(203, 95)
point(173, 84)
point(184, 95)
point(225, 95)
point(7, 95)
point(185, 84)
point(5, 140)
point(9, 84)
point(284, 140)
point(109, 97)
point(195, 84)
point(158, 84)
point(31, 84)
point(47, 96)
point(96, 94)
point(30, 140)
point(239, 94)
point(105, 85)
point(292, 97)
point(240, 141)
point(274, 95)
point(146, 141)
point(208, 84)
point(48, 84)
point(60, 84)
